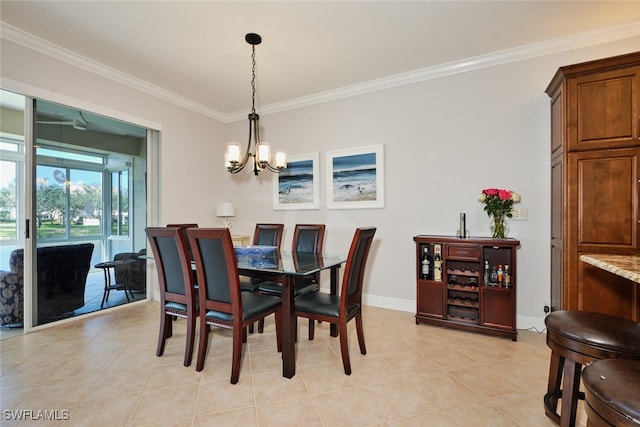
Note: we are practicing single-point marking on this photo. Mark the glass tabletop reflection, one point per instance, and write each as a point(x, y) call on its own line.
point(290, 263)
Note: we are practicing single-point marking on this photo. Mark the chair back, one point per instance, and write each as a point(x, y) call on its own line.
point(183, 228)
point(308, 238)
point(352, 281)
point(268, 235)
point(217, 271)
point(174, 267)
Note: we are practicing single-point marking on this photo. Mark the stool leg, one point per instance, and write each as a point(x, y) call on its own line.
point(570, 390)
point(553, 386)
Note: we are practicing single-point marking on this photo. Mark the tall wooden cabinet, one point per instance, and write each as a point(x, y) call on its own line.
point(595, 149)
point(465, 296)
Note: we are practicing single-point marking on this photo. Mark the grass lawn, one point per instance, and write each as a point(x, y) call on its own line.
point(46, 229)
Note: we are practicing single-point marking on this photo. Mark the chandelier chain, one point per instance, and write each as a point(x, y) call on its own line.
point(253, 79)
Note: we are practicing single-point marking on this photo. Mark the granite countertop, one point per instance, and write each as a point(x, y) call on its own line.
point(627, 266)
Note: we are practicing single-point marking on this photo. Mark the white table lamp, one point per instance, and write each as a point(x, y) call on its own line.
point(225, 210)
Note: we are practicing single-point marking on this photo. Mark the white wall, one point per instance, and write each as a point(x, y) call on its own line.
point(445, 140)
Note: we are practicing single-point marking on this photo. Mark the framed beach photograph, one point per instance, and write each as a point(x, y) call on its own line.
point(355, 178)
point(298, 186)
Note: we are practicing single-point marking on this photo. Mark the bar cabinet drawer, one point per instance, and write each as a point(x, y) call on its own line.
point(465, 252)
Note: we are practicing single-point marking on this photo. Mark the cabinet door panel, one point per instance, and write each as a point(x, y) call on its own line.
point(431, 299)
point(605, 198)
point(602, 110)
point(497, 308)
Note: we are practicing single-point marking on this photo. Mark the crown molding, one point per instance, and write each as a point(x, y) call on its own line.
point(588, 38)
point(28, 40)
point(520, 53)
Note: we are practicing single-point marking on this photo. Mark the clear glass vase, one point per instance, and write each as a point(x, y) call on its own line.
point(499, 227)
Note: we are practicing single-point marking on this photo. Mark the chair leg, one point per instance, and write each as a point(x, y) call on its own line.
point(202, 344)
point(236, 358)
point(360, 330)
point(251, 328)
point(191, 332)
point(163, 333)
point(312, 329)
point(261, 325)
point(278, 315)
point(344, 348)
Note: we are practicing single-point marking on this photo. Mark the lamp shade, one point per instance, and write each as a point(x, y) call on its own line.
point(225, 209)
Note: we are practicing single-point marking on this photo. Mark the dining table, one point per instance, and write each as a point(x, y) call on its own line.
point(285, 267)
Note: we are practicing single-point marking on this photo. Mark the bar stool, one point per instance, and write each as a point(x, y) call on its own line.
point(575, 339)
point(612, 393)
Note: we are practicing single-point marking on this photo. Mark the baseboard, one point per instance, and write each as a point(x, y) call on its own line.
point(522, 322)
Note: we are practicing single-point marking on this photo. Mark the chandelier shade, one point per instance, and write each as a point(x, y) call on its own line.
point(261, 152)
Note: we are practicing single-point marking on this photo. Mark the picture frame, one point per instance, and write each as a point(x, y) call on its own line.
point(355, 178)
point(298, 185)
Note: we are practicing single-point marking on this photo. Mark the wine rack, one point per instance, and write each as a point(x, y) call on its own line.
point(463, 299)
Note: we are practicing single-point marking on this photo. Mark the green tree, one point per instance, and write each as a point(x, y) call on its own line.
point(7, 200)
point(51, 199)
point(81, 198)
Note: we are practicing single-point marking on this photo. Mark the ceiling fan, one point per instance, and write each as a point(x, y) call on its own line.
point(78, 124)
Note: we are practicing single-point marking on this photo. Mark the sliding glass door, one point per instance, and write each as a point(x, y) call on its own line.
point(82, 184)
point(12, 216)
point(89, 183)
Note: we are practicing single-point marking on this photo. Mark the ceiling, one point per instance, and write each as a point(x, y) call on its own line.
point(195, 50)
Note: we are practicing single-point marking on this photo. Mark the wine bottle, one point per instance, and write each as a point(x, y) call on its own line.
point(507, 276)
point(486, 273)
point(500, 275)
point(437, 264)
point(427, 272)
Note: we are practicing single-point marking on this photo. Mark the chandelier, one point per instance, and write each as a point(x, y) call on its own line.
point(261, 154)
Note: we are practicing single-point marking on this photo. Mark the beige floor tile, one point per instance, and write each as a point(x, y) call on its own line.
point(271, 387)
point(442, 389)
point(114, 411)
point(350, 407)
point(244, 417)
point(220, 396)
point(477, 414)
point(449, 357)
point(116, 382)
point(427, 419)
point(316, 354)
point(485, 381)
point(397, 399)
point(289, 413)
point(326, 378)
point(173, 375)
point(266, 361)
point(165, 404)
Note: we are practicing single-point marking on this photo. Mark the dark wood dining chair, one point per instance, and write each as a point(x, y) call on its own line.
point(175, 277)
point(339, 309)
point(221, 302)
point(307, 238)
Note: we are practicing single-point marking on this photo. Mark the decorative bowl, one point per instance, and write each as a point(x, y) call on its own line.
point(254, 250)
